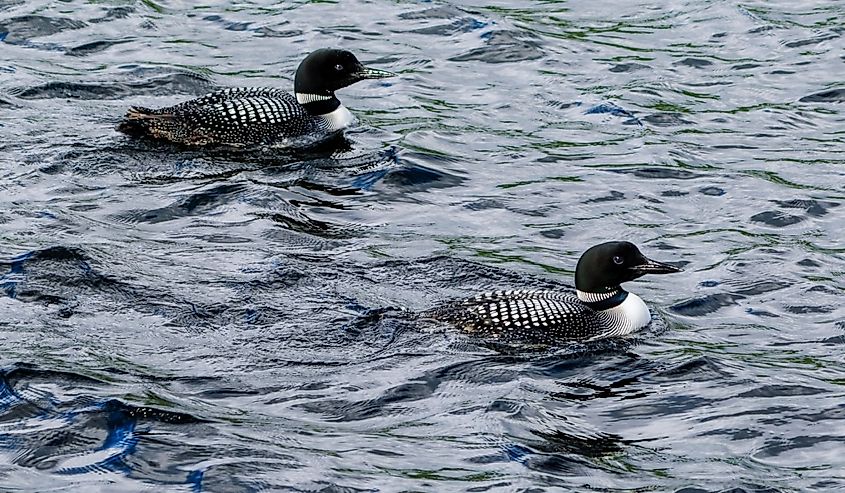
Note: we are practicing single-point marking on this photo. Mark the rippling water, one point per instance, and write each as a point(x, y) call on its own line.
point(184, 320)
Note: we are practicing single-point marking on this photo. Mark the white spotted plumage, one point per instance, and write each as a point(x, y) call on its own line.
point(243, 116)
point(543, 317)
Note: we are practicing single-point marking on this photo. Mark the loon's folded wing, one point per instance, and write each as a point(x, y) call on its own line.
point(238, 116)
point(537, 317)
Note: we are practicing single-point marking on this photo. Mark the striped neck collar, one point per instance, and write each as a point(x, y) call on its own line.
point(318, 104)
point(603, 301)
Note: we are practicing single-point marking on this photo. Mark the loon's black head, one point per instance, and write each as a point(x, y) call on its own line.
point(326, 70)
point(603, 268)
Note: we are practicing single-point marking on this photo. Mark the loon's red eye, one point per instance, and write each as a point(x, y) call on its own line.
point(338, 67)
point(617, 260)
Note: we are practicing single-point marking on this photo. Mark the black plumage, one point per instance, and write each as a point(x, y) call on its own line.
point(238, 116)
point(537, 317)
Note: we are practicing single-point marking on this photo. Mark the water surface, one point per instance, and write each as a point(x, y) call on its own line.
point(188, 320)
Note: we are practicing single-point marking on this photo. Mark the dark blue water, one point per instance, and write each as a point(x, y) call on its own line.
point(188, 320)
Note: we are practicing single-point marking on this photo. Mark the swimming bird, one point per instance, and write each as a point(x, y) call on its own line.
point(249, 116)
point(599, 307)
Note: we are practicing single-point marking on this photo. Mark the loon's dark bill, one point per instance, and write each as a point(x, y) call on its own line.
point(653, 267)
point(372, 73)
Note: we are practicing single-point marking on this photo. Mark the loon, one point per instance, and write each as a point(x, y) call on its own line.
point(248, 116)
point(599, 308)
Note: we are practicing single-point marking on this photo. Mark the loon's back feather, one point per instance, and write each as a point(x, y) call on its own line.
point(231, 94)
point(524, 316)
point(236, 116)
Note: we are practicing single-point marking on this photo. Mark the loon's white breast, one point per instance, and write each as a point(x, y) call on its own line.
point(629, 316)
point(338, 119)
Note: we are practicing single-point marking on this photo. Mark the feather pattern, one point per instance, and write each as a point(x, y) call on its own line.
point(539, 317)
point(237, 116)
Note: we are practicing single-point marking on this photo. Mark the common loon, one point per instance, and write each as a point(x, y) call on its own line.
point(248, 116)
point(599, 308)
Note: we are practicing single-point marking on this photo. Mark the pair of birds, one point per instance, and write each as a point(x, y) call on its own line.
point(260, 116)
